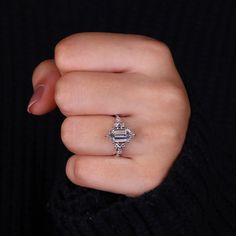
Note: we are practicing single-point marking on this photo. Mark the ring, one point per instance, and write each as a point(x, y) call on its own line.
point(119, 135)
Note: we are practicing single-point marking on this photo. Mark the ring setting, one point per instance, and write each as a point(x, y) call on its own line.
point(120, 135)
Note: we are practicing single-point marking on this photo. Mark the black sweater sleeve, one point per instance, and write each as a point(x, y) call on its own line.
point(188, 202)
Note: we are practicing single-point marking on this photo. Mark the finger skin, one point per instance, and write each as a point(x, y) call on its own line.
point(45, 75)
point(86, 135)
point(95, 93)
point(108, 173)
point(127, 94)
point(113, 52)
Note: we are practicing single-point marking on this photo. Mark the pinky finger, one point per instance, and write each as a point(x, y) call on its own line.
point(106, 173)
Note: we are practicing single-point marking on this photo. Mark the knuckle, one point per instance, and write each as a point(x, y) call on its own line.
point(66, 130)
point(160, 48)
point(79, 171)
point(165, 92)
point(61, 51)
point(152, 50)
point(157, 49)
point(60, 96)
point(172, 94)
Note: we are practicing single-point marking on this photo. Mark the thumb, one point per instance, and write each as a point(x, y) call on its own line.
point(44, 78)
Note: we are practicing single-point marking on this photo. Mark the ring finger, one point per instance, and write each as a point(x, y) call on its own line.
point(86, 135)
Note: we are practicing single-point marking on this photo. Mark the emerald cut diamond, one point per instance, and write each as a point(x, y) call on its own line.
point(120, 135)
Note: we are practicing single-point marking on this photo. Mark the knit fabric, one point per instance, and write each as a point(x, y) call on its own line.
point(198, 197)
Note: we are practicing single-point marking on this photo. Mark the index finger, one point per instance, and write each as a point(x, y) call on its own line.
point(112, 52)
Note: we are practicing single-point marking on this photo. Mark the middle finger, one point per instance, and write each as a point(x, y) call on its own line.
point(99, 93)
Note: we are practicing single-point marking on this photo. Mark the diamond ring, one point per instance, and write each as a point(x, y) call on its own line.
point(120, 135)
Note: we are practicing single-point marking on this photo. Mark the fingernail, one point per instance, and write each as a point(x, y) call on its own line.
point(36, 97)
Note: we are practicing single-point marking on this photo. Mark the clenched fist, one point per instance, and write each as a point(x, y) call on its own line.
point(97, 75)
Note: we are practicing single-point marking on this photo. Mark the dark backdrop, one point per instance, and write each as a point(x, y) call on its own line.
point(201, 35)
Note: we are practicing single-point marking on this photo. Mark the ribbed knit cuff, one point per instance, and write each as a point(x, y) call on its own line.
point(181, 200)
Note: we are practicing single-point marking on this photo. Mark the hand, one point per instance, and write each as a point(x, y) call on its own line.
point(97, 75)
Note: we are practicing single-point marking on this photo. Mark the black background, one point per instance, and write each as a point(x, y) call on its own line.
point(201, 36)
